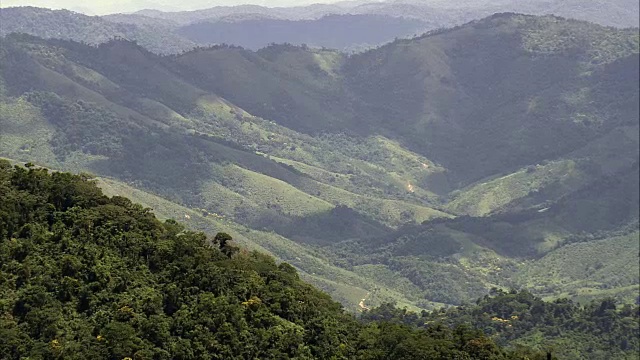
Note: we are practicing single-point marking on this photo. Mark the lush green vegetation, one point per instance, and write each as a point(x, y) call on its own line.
point(424, 172)
point(598, 330)
point(84, 275)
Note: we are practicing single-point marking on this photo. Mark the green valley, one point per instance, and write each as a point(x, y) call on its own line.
point(502, 153)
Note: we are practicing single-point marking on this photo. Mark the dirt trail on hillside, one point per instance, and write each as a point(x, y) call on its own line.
point(410, 187)
point(364, 307)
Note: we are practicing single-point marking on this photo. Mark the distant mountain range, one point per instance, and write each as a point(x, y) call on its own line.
point(332, 31)
point(350, 26)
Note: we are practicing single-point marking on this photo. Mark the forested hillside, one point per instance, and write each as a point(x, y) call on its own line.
point(501, 153)
point(598, 330)
point(84, 275)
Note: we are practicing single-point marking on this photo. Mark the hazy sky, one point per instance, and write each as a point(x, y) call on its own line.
point(111, 6)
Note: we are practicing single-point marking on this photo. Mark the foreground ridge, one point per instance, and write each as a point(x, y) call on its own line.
point(84, 275)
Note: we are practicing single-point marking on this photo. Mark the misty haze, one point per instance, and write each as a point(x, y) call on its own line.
point(395, 179)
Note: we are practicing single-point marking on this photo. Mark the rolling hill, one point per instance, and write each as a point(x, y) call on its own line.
point(440, 13)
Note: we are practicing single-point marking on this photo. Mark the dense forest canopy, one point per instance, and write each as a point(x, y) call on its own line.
point(601, 329)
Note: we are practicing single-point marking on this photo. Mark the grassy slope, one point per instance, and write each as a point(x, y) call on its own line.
point(345, 286)
point(606, 155)
point(588, 270)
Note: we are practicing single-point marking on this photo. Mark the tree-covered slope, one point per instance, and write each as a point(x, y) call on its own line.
point(500, 93)
point(597, 330)
point(85, 275)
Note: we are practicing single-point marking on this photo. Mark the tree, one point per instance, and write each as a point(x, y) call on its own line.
point(222, 239)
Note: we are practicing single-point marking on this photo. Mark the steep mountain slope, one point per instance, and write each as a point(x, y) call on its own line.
point(343, 285)
point(88, 275)
point(526, 128)
point(471, 100)
point(582, 174)
point(452, 90)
